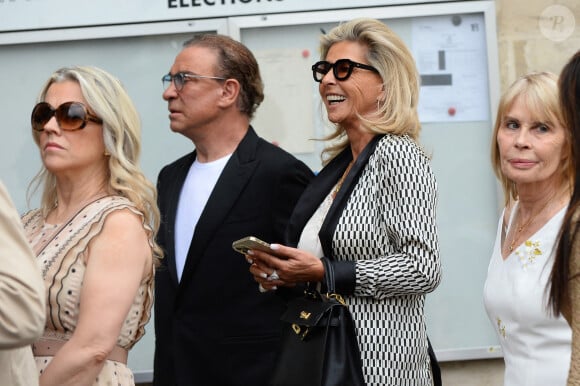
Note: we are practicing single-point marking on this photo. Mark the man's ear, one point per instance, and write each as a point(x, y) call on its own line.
point(229, 92)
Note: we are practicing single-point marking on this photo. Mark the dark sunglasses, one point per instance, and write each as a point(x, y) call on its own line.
point(69, 116)
point(341, 69)
point(180, 78)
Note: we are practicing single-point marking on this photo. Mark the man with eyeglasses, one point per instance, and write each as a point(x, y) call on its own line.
point(213, 324)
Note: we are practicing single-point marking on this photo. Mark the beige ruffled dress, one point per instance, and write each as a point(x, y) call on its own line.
point(61, 254)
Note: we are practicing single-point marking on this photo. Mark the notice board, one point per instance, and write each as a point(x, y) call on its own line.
point(454, 45)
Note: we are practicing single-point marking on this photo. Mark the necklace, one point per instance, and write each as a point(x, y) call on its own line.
point(74, 209)
point(341, 181)
point(520, 228)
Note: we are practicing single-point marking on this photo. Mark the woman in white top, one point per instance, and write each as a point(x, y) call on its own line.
point(531, 156)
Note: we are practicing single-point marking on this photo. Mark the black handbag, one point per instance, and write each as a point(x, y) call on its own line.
point(319, 345)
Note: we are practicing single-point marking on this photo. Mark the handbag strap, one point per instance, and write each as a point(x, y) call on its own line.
point(328, 280)
point(312, 290)
point(328, 275)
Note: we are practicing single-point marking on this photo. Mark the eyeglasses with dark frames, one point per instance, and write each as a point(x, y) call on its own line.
point(341, 69)
point(70, 116)
point(180, 78)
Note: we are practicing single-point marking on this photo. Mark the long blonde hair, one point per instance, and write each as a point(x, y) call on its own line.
point(106, 96)
point(396, 66)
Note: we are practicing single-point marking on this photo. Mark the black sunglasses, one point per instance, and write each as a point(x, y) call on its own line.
point(69, 116)
point(180, 78)
point(341, 69)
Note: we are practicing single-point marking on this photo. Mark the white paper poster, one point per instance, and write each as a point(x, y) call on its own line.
point(450, 52)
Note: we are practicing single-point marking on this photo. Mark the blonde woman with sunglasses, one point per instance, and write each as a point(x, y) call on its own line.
point(93, 234)
point(371, 210)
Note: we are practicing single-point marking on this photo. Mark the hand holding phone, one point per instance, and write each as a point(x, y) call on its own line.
point(243, 245)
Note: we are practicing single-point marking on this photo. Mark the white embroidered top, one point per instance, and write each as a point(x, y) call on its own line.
point(536, 346)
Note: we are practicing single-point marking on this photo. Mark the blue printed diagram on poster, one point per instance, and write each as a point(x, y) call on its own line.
point(450, 52)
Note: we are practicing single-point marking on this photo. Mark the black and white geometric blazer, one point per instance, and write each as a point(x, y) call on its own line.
point(381, 235)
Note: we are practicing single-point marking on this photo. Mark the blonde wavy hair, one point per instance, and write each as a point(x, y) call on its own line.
point(396, 66)
point(108, 99)
point(539, 93)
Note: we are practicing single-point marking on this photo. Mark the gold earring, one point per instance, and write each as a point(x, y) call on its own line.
point(107, 154)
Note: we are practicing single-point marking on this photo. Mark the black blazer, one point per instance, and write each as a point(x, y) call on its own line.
point(313, 197)
point(215, 327)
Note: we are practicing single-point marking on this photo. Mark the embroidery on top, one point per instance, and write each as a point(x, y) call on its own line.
point(528, 252)
point(500, 327)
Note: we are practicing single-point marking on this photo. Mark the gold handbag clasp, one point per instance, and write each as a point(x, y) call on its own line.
point(338, 298)
point(296, 328)
point(300, 331)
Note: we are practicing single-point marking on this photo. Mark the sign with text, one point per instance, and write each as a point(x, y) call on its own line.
point(26, 15)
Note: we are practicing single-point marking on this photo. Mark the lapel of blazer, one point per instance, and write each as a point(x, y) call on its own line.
point(331, 220)
point(171, 191)
point(314, 194)
point(230, 183)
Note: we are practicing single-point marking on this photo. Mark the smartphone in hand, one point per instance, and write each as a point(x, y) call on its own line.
point(243, 245)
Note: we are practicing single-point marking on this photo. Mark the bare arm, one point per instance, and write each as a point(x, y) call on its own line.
point(118, 259)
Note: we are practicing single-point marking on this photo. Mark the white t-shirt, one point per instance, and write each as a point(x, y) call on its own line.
point(536, 346)
point(197, 188)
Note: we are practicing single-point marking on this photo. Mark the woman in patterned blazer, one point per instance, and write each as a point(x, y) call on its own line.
point(371, 210)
